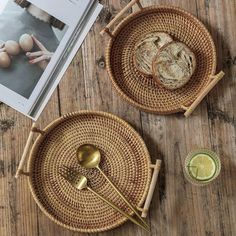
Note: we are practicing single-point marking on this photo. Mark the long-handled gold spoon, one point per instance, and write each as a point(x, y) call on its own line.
point(89, 156)
point(80, 182)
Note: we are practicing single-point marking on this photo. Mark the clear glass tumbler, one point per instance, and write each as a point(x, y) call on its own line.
point(200, 162)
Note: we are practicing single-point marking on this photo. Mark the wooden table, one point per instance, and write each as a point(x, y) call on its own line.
point(178, 208)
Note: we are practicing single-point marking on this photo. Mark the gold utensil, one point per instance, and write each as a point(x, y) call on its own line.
point(81, 182)
point(89, 156)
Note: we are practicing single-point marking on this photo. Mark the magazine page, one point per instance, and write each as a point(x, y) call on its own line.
point(75, 42)
point(33, 36)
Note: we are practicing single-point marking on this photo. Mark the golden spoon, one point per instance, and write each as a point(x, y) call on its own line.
point(89, 156)
point(80, 182)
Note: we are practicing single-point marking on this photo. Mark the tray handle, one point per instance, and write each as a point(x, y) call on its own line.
point(118, 16)
point(148, 200)
point(33, 130)
point(215, 79)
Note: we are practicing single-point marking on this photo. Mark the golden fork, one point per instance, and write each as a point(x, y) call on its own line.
point(81, 182)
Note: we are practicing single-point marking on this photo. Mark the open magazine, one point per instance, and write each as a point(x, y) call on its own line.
point(38, 40)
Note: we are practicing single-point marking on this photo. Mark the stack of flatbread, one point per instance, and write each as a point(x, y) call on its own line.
point(169, 62)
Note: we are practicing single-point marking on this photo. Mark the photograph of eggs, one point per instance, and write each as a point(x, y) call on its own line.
point(29, 38)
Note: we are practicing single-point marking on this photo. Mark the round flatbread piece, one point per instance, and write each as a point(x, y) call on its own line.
point(146, 49)
point(174, 65)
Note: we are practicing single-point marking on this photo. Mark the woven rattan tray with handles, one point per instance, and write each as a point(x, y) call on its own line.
point(142, 91)
point(125, 159)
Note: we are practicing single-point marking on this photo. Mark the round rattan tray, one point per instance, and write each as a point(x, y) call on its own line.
point(142, 91)
point(125, 160)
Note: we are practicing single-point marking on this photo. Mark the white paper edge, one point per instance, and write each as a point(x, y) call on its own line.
point(70, 58)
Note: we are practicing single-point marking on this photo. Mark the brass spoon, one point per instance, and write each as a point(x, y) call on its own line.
point(89, 157)
point(80, 182)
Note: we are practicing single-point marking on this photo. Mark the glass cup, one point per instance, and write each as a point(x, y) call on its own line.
point(189, 176)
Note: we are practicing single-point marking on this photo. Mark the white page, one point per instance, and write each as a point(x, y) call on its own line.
point(69, 56)
point(70, 6)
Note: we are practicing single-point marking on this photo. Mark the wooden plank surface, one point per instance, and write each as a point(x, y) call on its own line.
point(178, 208)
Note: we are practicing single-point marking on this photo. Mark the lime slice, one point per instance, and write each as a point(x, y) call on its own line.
point(202, 167)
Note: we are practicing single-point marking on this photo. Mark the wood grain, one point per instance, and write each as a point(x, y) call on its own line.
point(178, 208)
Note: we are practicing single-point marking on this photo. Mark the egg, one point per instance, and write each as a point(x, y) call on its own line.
point(5, 60)
point(12, 48)
point(26, 42)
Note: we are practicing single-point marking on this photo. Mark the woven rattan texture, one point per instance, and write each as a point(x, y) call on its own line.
point(125, 160)
point(142, 91)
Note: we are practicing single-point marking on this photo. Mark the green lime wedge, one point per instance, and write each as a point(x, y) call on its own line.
point(202, 167)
